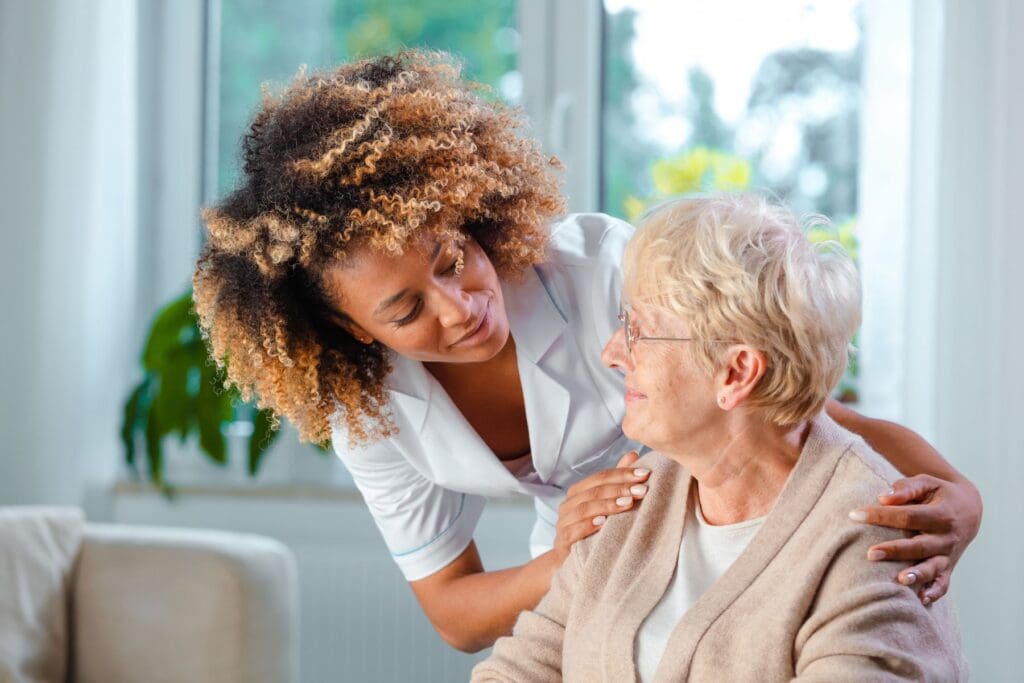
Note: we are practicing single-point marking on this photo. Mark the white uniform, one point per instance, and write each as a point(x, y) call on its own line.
point(427, 485)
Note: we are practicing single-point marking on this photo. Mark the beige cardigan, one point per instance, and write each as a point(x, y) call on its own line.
point(801, 601)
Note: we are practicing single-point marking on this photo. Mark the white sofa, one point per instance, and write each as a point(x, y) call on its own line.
point(92, 603)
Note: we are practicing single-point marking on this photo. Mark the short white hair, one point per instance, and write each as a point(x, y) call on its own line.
point(739, 267)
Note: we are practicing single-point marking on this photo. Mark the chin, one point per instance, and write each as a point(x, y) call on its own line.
point(630, 430)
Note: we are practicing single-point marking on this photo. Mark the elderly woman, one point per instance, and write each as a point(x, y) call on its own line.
point(742, 563)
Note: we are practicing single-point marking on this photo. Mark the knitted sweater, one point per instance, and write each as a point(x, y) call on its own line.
point(800, 602)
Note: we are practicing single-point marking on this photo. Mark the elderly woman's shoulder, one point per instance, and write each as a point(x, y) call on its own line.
point(859, 477)
point(862, 473)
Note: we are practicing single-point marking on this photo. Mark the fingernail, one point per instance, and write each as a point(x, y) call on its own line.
point(598, 521)
point(876, 554)
point(638, 489)
point(858, 515)
point(908, 579)
point(641, 472)
point(624, 501)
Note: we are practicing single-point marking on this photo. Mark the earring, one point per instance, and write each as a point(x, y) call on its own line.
point(721, 401)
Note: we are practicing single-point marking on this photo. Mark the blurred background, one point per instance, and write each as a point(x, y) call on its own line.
point(119, 119)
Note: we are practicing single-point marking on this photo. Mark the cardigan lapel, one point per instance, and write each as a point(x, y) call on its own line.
point(537, 326)
point(651, 554)
point(805, 485)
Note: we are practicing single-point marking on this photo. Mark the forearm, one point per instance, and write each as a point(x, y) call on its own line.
point(905, 450)
point(479, 607)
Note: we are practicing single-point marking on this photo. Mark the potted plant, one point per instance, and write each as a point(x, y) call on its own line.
point(182, 393)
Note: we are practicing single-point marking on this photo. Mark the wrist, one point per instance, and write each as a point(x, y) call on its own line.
point(547, 564)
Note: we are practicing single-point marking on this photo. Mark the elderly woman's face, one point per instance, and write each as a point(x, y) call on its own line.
point(669, 396)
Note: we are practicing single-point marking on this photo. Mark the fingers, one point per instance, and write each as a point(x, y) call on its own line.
point(607, 492)
point(628, 459)
point(615, 500)
point(920, 547)
point(909, 490)
point(616, 475)
point(588, 517)
point(590, 502)
point(929, 579)
point(925, 517)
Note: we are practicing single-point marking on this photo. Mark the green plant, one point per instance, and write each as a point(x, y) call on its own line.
point(182, 393)
point(700, 169)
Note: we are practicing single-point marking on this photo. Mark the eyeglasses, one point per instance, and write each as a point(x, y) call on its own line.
point(633, 333)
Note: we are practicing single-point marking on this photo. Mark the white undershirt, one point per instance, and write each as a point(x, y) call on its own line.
point(705, 553)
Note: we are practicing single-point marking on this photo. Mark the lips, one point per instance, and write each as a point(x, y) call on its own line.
point(479, 325)
point(634, 395)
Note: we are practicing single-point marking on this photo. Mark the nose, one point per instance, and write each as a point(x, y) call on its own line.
point(455, 306)
point(614, 354)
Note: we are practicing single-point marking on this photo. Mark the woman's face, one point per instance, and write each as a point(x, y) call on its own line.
point(436, 302)
point(670, 398)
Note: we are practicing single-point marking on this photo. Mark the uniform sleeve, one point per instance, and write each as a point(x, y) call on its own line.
point(534, 650)
point(424, 525)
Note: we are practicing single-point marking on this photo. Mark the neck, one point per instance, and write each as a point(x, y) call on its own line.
point(741, 470)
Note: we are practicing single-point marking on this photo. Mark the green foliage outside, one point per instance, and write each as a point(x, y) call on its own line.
point(266, 41)
point(638, 173)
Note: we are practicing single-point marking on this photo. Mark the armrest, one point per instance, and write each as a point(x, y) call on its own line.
point(157, 604)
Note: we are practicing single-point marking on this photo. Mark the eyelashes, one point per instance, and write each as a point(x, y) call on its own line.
point(455, 268)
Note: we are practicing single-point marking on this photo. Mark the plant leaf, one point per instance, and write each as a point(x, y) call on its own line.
point(154, 448)
point(213, 405)
point(133, 410)
point(172, 324)
point(264, 434)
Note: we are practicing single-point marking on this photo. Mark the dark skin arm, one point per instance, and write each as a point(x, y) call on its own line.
point(935, 500)
point(471, 608)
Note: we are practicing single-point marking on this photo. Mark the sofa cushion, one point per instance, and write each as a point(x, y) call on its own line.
point(38, 547)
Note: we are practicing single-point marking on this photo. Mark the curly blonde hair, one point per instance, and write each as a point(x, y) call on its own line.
point(372, 154)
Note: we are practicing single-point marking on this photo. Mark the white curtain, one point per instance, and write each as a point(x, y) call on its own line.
point(976, 366)
point(964, 319)
point(68, 191)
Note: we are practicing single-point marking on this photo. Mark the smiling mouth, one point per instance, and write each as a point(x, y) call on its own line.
point(476, 327)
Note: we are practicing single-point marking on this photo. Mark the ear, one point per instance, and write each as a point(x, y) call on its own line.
point(350, 326)
point(744, 368)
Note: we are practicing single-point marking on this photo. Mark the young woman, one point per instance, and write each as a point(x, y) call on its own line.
point(393, 273)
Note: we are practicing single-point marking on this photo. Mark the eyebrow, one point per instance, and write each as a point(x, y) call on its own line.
point(394, 299)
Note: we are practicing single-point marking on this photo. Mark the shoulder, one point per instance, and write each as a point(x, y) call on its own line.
point(860, 476)
point(665, 484)
point(583, 239)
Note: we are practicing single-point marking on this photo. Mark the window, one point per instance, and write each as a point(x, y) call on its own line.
point(268, 40)
point(728, 95)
